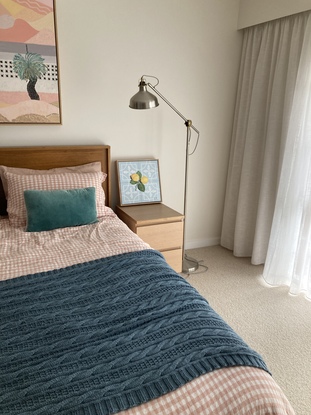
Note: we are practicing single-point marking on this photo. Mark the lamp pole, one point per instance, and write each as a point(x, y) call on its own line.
point(188, 264)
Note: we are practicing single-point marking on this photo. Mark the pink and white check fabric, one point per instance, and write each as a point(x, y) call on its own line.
point(23, 253)
point(237, 390)
point(230, 391)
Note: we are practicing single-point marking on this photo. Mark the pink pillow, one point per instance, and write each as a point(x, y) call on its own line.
point(84, 168)
point(18, 183)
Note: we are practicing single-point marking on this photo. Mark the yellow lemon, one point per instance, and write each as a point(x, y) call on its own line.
point(135, 177)
point(144, 179)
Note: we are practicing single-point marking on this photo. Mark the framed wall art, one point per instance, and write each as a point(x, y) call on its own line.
point(29, 81)
point(139, 182)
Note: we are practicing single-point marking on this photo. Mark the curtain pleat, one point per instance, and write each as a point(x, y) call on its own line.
point(268, 73)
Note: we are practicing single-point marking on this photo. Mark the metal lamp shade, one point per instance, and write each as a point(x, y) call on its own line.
point(143, 100)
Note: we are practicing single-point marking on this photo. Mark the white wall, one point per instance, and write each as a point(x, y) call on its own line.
point(253, 12)
point(194, 49)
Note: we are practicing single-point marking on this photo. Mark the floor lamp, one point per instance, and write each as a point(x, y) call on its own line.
point(146, 100)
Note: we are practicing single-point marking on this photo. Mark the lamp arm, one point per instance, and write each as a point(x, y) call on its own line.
point(188, 123)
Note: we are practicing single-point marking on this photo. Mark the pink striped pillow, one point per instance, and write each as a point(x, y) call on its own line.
point(63, 181)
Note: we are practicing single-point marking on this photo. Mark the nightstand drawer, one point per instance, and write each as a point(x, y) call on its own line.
point(165, 236)
point(158, 225)
point(174, 258)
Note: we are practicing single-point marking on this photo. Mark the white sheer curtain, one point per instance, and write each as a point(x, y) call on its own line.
point(289, 253)
point(270, 63)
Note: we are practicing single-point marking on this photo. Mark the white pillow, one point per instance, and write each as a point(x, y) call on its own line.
point(17, 184)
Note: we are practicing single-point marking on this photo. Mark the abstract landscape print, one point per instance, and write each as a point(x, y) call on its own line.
point(29, 82)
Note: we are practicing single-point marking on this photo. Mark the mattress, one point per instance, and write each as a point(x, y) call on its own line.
point(235, 389)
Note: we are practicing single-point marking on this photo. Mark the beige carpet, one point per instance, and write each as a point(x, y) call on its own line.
point(270, 320)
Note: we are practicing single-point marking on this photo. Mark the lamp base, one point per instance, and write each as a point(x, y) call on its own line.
point(189, 265)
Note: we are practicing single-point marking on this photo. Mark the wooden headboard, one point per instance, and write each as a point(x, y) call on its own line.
point(42, 158)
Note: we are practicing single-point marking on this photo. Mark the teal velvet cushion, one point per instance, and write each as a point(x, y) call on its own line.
point(52, 209)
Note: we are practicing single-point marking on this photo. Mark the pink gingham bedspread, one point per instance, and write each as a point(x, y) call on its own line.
point(236, 390)
point(23, 253)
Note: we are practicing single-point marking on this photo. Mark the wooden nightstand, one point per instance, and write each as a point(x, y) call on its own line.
point(158, 225)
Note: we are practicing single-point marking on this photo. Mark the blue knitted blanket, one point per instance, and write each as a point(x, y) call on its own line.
point(106, 335)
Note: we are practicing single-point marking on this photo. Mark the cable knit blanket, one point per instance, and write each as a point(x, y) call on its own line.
point(106, 335)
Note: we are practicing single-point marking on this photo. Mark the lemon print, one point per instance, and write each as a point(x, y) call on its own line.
point(139, 181)
point(135, 177)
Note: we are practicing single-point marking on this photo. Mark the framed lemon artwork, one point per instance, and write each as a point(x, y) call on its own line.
point(139, 181)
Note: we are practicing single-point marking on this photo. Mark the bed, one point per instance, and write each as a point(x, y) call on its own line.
point(94, 321)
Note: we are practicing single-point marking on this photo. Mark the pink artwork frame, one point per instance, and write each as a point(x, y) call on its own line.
point(29, 81)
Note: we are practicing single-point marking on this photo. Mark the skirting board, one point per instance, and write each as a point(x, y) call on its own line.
point(200, 243)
